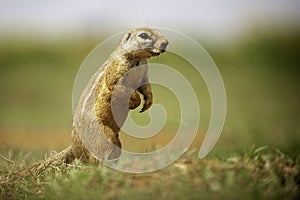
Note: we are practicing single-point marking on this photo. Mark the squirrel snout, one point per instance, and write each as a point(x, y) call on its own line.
point(163, 46)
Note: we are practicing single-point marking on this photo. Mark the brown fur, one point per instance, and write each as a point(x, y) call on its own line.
point(132, 52)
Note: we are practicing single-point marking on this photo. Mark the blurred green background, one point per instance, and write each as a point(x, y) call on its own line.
point(259, 65)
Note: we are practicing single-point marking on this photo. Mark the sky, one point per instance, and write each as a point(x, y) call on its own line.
point(211, 18)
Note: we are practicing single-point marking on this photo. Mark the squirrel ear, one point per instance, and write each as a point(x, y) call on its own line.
point(128, 36)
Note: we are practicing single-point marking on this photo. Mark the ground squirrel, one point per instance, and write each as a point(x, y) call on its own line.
point(135, 48)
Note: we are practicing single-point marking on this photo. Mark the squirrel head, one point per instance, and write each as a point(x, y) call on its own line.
point(144, 43)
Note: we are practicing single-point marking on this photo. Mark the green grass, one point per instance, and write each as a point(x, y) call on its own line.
point(260, 173)
point(261, 77)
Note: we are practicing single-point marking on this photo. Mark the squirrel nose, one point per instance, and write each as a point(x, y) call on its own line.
point(163, 46)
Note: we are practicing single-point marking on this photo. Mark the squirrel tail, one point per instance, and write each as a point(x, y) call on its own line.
point(64, 157)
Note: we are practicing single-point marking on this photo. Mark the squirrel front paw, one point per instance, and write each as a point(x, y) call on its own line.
point(148, 102)
point(134, 101)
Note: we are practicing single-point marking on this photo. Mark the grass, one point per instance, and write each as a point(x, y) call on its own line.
point(260, 173)
point(261, 77)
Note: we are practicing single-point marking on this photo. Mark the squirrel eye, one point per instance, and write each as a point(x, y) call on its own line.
point(144, 36)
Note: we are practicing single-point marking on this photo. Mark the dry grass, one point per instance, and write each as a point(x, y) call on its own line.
point(258, 174)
